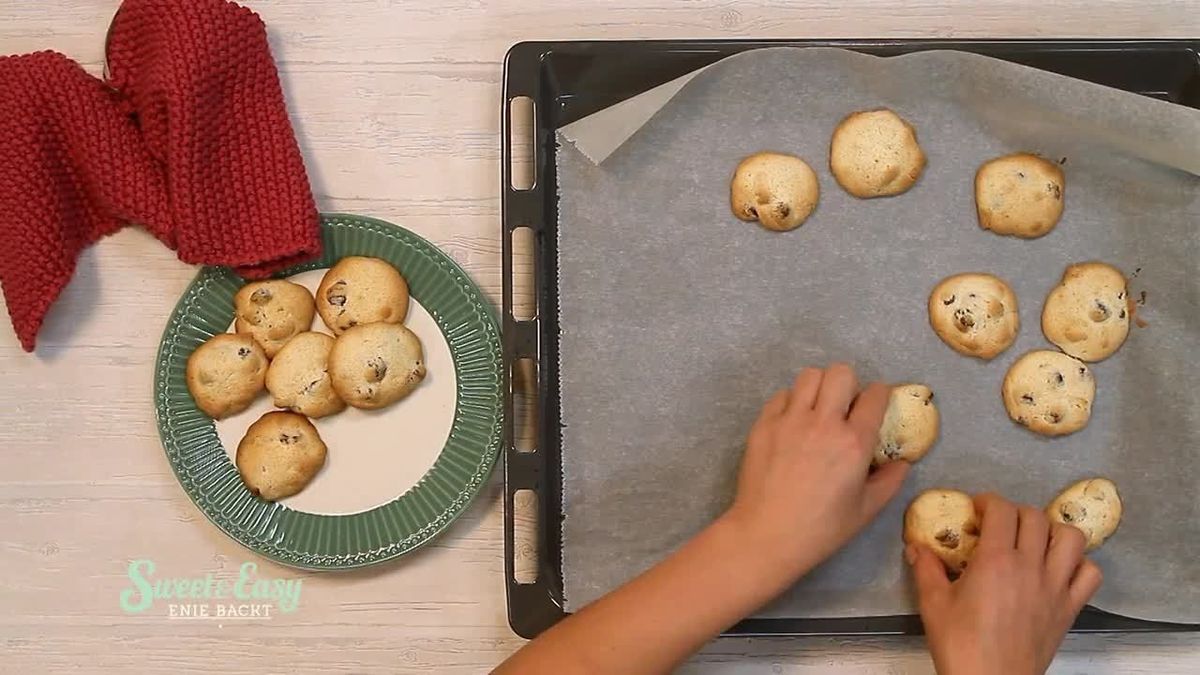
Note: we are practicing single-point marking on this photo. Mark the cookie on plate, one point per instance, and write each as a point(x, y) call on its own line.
point(974, 314)
point(1087, 314)
point(272, 312)
point(910, 425)
point(375, 365)
point(298, 377)
point(359, 290)
point(225, 374)
point(1020, 195)
point(279, 455)
point(946, 522)
point(1093, 506)
point(874, 153)
point(1049, 393)
point(779, 191)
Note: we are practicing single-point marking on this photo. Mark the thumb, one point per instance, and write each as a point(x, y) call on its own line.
point(881, 486)
point(929, 573)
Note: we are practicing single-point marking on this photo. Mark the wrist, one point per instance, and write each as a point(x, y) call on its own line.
point(775, 561)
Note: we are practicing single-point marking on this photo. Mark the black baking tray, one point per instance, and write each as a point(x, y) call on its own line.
point(570, 80)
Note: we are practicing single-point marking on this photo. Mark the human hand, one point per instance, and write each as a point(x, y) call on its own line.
point(1008, 612)
point(805, 487)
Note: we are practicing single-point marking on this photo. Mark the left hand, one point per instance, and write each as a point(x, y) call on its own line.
point(805, 487)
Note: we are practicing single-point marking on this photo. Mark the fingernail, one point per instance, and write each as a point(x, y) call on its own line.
point(910, 554)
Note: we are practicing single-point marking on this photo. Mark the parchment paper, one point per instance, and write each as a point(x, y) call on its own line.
point(678, 321)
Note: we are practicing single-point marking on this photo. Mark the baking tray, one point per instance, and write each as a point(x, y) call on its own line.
point(570, 80)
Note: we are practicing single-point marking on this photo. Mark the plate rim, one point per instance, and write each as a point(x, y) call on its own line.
point(330, 223)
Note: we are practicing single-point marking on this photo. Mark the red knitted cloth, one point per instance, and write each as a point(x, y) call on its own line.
point(189, 138)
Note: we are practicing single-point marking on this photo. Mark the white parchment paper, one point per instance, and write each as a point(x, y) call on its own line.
point(679, 321)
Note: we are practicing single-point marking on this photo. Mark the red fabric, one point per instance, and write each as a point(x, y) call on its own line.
point(189, 138)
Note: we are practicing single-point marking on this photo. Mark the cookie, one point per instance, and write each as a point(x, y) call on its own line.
point(360, 290)
point(1087, 314)
point(298, 377)
point(1020, 195)
point(225, 374)
point(946, 522)
point(272, 312)
point(974, 314)
point(279, 455)
point(375, 365)
point(779, 191)
point(874, 153)
point(1049, 393)
point(910, 425)
point(1093, 506)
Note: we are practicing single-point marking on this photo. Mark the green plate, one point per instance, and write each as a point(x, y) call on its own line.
point(316, 541)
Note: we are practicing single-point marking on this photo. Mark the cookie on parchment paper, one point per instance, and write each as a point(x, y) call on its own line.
point(1049, 393)
point(910, 425)
point(1087, 315)
point(1020, 195)
point(874, 153)
point(946, 522)
point(1093, 506)
point(975, 314)
point(777, 190)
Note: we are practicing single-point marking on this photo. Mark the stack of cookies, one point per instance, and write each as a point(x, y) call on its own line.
point(370, 361)
point(875, 153)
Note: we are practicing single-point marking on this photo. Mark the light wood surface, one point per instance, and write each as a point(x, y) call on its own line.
point(396, 103)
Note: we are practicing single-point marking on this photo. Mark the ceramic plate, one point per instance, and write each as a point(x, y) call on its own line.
point(393, 478)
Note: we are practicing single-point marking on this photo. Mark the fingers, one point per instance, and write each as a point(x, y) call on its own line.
point(1033, 533)
point(774, 406)
point(1064, 554)
point(998, 529)
point(804, 390)
point(838, 389)
point(881, 487)
point(1084, 584)
point(930, 576)
point(866, 413)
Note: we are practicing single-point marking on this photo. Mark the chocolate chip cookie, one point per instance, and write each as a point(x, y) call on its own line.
point(1020, 195)
point(1091, 505)
point(1087, 315)
point(910, 425)
point(272, 312)
point(874, 153)
point(974, 314)
point(779, 191)
point(946, 522)
point(375, 365)
point(225, 374)
point(298, 377)
point(279, 455)
point(359, 290)
point(1049, 393)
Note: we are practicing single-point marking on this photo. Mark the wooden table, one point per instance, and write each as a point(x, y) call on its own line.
point(396, 103)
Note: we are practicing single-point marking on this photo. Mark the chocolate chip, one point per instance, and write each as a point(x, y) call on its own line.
point(752, 211)
point(1058, 379)
point(1121, 314)
point(336, 295)
point(964, 319)
point(1054, 189)
point(1053, 417)
point(285, 439)
point(261, 297)
point(947, 538)
point(949, 301)
point(243, 352)
point(1121, 295)
point(1099, 312)
point(1021, 174)
point(970, 295)
point(891, 451)
point(1027, 398)
point(1083, 371)
point(783, 210)
point(379, 366)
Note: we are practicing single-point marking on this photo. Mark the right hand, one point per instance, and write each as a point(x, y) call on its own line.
point(1009, 611)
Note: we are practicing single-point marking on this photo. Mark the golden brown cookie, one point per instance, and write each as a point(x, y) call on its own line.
point(1049, 393)
point(974, 314)
point(272, 312)
point(946, 522)
point(910, 425)
point(1021, 195)
point(779, 191)
point(874, 153)
point(279, 455)
point(1093, 506)
point(1087, 314)
point(225, 374)
point(359, 290)
point(298, 377)
point(377, 364)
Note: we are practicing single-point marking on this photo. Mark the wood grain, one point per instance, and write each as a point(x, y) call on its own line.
point(397, 106)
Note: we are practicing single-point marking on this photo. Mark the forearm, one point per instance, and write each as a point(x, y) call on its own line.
point(655, 621)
